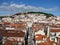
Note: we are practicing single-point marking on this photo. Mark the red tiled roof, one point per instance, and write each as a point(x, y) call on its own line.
point(20, 34)
point(19, 25)
point(7, 23)
point(37, 26)
point(54, 30)
point(8, 42)
point(58, 37)
point(48, 43)
point(39, 37)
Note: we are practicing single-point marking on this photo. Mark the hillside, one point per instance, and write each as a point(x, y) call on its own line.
point(46, 14)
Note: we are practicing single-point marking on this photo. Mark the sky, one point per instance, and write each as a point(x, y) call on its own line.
point(10, 7)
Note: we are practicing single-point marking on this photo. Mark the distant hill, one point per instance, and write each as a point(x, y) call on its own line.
point(46, 14)
point(2, 16)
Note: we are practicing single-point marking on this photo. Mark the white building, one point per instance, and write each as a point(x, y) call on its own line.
point(54, 34)
point(7, 19)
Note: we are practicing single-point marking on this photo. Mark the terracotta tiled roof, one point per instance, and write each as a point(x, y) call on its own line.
point(38, 26)
point(8, 42)
point(39, 37)
point(54, 30)
point(58, 37)
point(19, 25)
point(43, 43)
point(48, 43)
point(7, 23)
point(21, 34)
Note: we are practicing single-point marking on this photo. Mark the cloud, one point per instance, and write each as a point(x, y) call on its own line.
point(17, 6)
point(25, 8)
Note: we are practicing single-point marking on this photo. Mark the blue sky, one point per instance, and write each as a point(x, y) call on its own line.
point(8, 7)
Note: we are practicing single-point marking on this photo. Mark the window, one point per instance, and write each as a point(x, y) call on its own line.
point(52, 34)
point(59, 35)
point(53, 39)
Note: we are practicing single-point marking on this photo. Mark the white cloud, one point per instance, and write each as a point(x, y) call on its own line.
point(23, 8)
point(17, 6)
